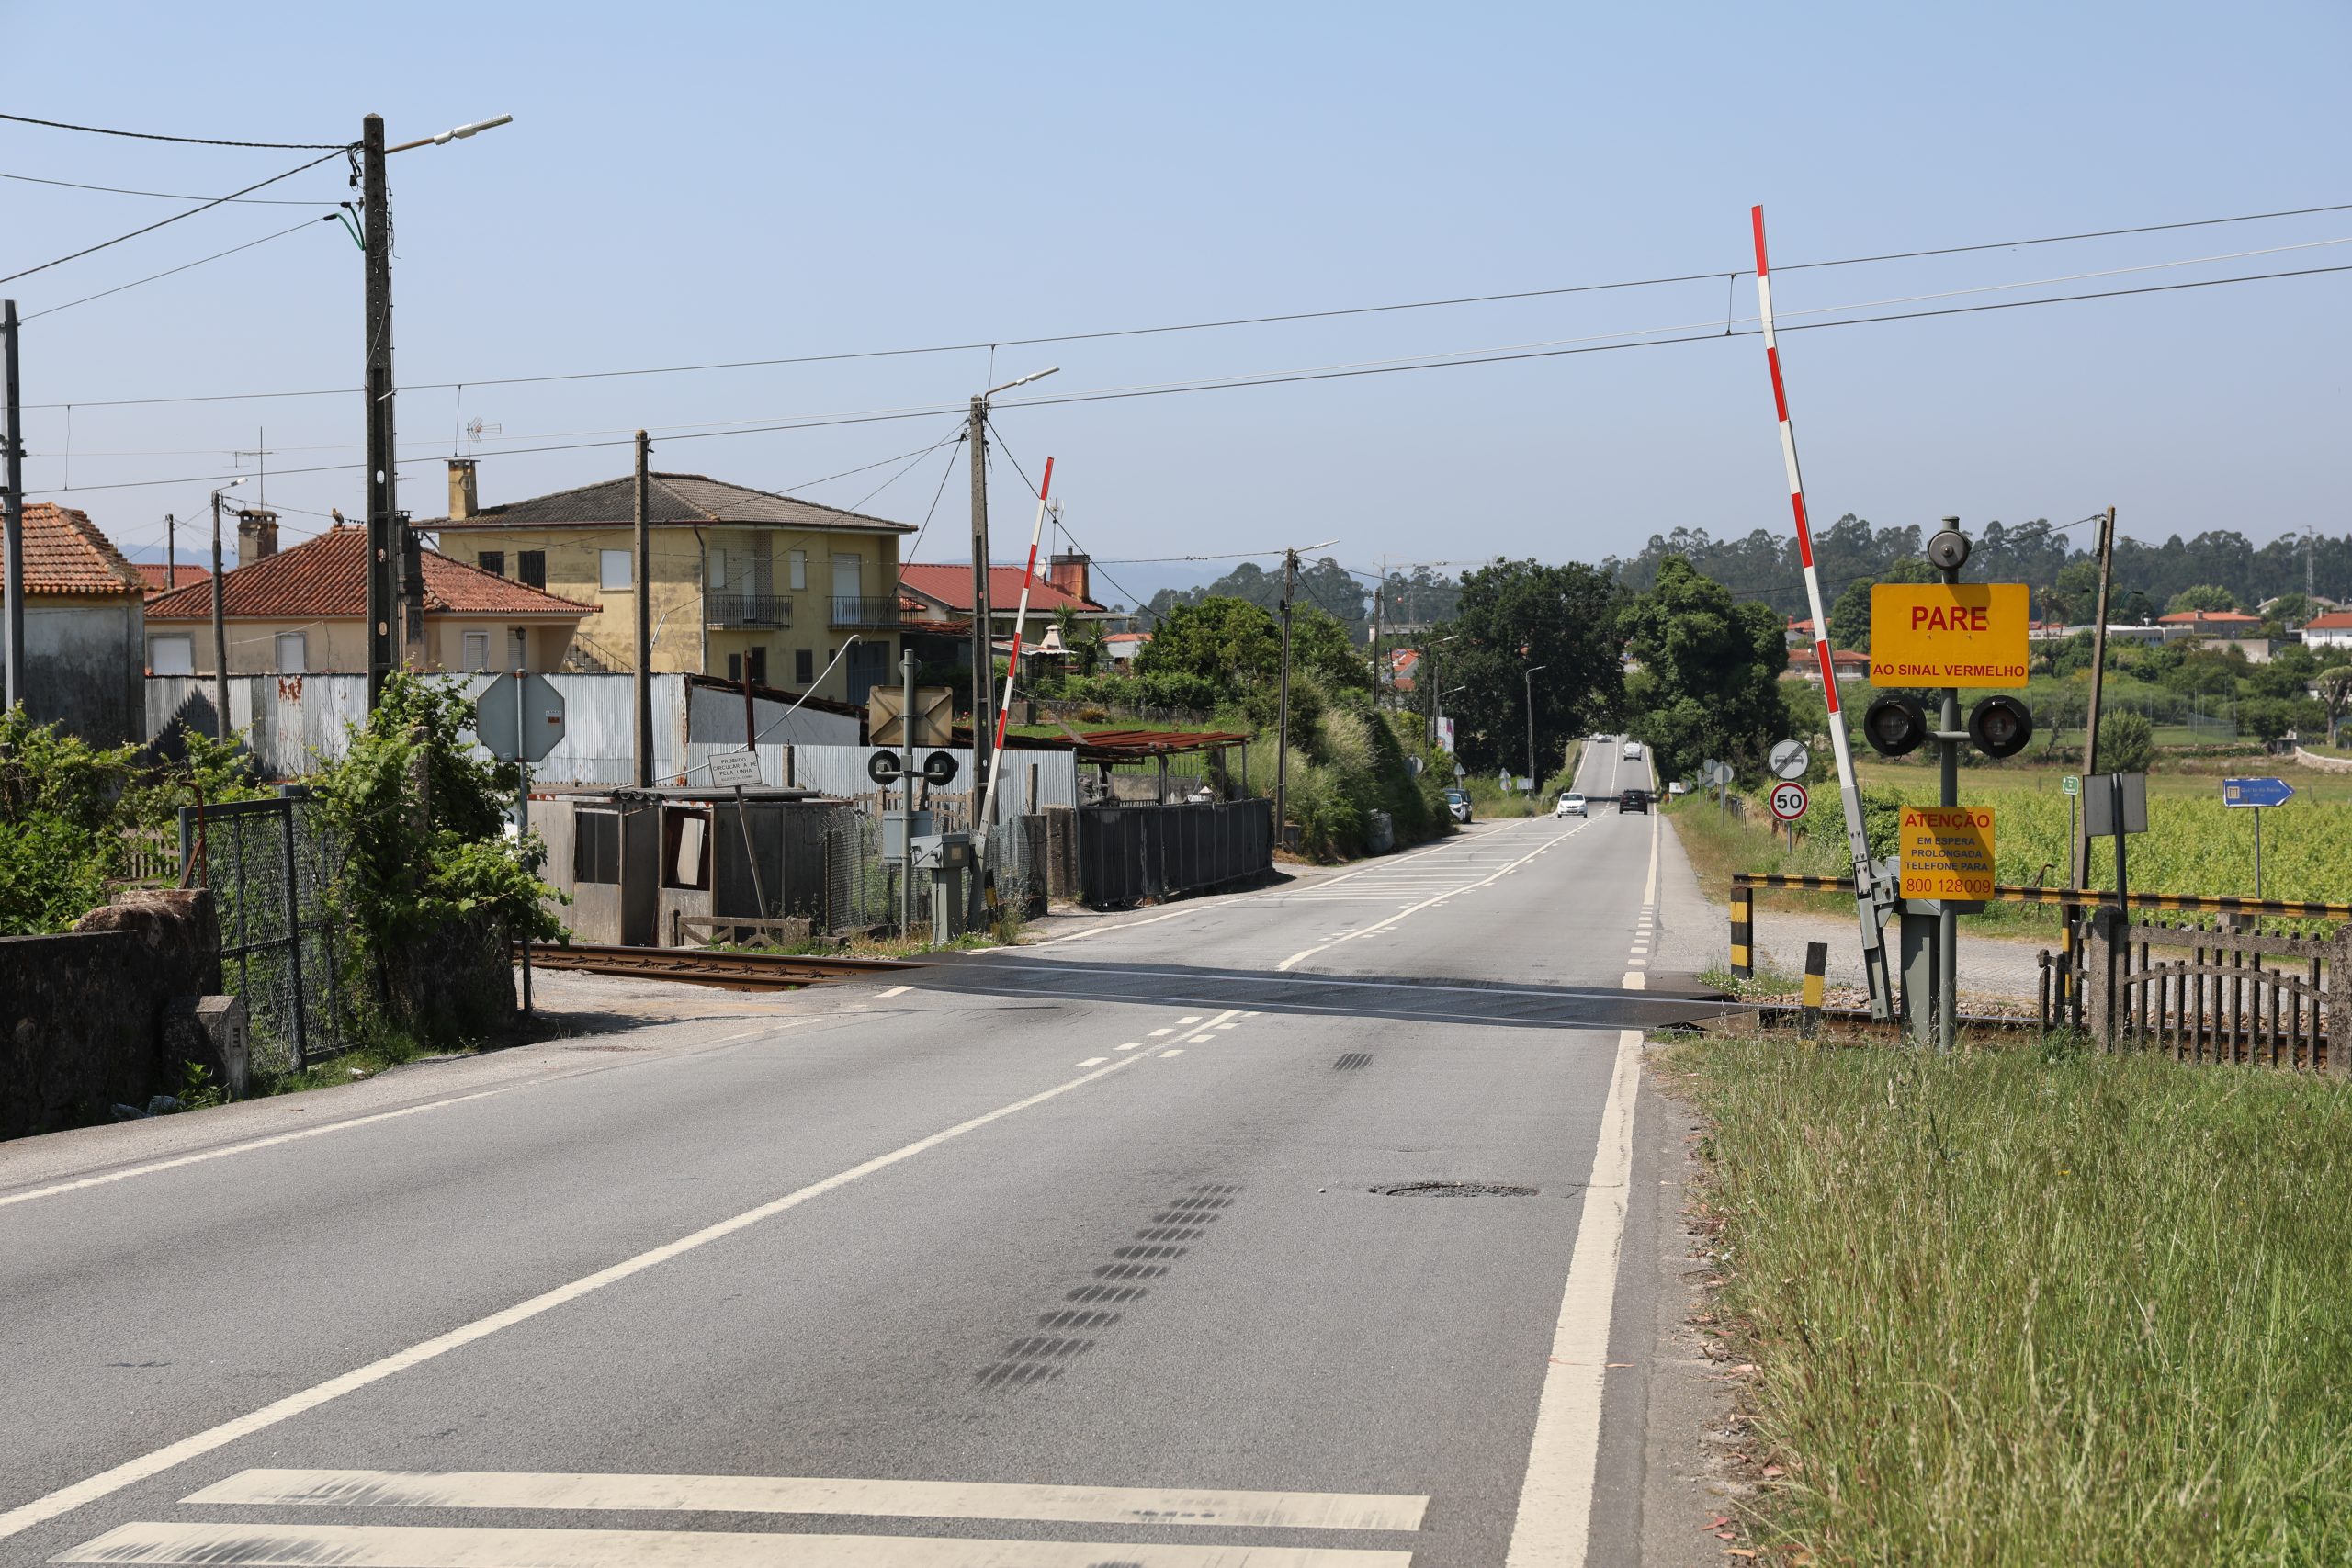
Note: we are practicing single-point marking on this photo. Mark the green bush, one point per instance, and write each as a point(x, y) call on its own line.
point(2127, 743)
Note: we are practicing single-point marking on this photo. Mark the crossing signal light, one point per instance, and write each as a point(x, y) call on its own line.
point(1894, 725)
point(2000, 726)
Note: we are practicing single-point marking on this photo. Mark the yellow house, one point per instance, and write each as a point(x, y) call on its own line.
point(304, 611)
point(737, 575)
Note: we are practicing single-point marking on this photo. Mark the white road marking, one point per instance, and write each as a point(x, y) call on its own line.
point(1176, 1051)
point(1233, 1023)
point(1633, 981)
point(898, 990)
point(246, 1147)
point(1158, 1032)
point(1094, 1061)
point(1129, 1045)
point(823, 1494)
point(418, 1546)
point(1554, 1524)
point(1300, 957)
point(80, 1493)
point(1182, 1021)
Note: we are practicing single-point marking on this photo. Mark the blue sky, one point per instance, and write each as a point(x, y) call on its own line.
point(723, 182)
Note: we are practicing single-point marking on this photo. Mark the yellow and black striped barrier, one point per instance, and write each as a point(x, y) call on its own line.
point(1743, 923)
point(1744, 883)
point(1816, 975)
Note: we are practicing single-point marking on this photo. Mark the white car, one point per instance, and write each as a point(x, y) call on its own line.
point(1677, 787)
point(1633, 750)
point(1570, 804)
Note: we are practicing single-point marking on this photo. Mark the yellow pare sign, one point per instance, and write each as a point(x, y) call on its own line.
point(1935, 634)
point(1947, 852)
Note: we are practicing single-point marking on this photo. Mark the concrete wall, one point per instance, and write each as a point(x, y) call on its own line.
point(82, 1014)
point(83, 658)
point(294, 721)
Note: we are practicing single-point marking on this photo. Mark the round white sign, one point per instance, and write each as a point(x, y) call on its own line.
point(1790, 759)
point(1789, 801)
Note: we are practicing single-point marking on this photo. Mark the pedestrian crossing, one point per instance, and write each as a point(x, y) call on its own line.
point(274, 1542)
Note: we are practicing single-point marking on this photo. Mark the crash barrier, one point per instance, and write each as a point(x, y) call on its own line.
point(271, 865)
point(1128, 854)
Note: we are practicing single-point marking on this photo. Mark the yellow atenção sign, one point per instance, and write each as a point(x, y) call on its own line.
point(1947, 852)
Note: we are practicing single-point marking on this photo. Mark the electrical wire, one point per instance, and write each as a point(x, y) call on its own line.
point(161, 222)
point(164, 195)
point(949, 472)
point(167, 272)
point(1323, 373)
point(190, 141)
point(976, 344)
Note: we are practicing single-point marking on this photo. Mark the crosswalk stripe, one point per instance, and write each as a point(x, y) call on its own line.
point(821, 1494)
point(406, 1546)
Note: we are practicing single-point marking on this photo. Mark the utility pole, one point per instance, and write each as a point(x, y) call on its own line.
point(983, 640)
point(1948, 796)
point(383, 555)
point(170, 552)
point(12, 521)
point(1533, 782)
point(1379, 660)
point(2082, 845)
point(1282, 713)
point(642, 571)
point(219, 632)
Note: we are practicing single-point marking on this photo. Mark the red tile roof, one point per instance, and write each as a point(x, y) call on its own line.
point(65, 553)
point(2217, 618)
point(327, 577)
point(155, 573)
point(952, 586)
point(2338, 621)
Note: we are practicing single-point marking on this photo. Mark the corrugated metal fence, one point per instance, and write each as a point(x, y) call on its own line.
point(1128, 853)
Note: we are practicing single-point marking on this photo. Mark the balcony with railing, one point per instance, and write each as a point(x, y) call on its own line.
point(858, 612)
point(724, 609)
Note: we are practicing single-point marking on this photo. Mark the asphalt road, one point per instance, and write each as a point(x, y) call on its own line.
point(1078, 1254)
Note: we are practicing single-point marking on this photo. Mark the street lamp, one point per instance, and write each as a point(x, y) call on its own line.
point(1429, 651)
point(1531, 675)
point(220, 625)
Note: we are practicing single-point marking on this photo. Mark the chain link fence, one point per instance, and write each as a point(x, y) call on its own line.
point(271, 867)
point(862, 884)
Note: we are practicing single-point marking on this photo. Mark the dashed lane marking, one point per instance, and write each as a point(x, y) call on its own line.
point(1094, 1061)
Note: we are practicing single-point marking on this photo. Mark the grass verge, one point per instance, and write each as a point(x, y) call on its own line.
point(2029, 1306)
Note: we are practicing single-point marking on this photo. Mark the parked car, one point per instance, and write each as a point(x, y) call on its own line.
point(1679, 786)
point(1459, 804)
point(1633, 800)
point(1633, 750)
point(1570, 804)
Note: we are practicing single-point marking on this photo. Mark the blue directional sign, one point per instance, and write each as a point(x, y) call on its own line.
point(2257, 792)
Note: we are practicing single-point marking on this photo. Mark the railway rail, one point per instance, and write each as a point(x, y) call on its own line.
point(704, 966)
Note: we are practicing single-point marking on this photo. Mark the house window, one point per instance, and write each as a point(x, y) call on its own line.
point(685, 849)
point(531, 569)
point(293, 654)
point(719, 567)
point(804, 666)
point(477, 650)
point(800, 568)
point(759, 666)
point(613, 570)
point(492, 561)
point(596, 847)
point(849, 577)
point(172, 655)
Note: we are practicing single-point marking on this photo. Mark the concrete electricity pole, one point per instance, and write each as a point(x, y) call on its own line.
point(386, 566)
point(642, 570)
point(2098, 679)
point(219, 625)
point(983, 635)
point(1533, 782)
point(12, 522)
point(1281, 712)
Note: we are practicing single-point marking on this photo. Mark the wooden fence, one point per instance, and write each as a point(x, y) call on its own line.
point(2207, 993)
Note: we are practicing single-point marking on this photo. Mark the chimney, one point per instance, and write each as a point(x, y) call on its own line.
point(464, 499)
point(256, 534)
point(1069, 573)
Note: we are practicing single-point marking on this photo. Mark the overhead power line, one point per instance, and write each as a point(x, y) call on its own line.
point(166, 195)
point(161, 222)
point(1207, 325)
point(1283, 377)
point(183, 266)
point(190, 141)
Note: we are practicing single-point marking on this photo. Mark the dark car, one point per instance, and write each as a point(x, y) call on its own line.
point(1633, 800)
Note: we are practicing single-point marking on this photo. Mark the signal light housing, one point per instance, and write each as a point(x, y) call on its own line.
point(2000, 726)
point(1894, 725)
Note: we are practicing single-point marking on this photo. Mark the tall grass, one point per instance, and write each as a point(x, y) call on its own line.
point(2023, 1308)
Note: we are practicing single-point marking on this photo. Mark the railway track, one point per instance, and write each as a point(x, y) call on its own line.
point(701, 966)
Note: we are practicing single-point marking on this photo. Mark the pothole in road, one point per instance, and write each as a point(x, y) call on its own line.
point(1455, 1190)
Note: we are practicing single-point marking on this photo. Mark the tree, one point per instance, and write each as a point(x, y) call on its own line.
point(2073, 596)
point(2334, 688)
point(1849, 617)
point(1709, 680)
point(1236, 647)
point(2204, 597)
point(1514, 617)
point(2127, 742)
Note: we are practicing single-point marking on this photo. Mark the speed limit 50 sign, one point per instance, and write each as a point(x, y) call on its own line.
point(1788, 801)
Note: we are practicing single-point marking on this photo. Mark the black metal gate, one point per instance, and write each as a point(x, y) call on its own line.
point(271, 867)
point(1128, 853)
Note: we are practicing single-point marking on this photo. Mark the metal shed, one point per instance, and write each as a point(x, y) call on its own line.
point(681, 866)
